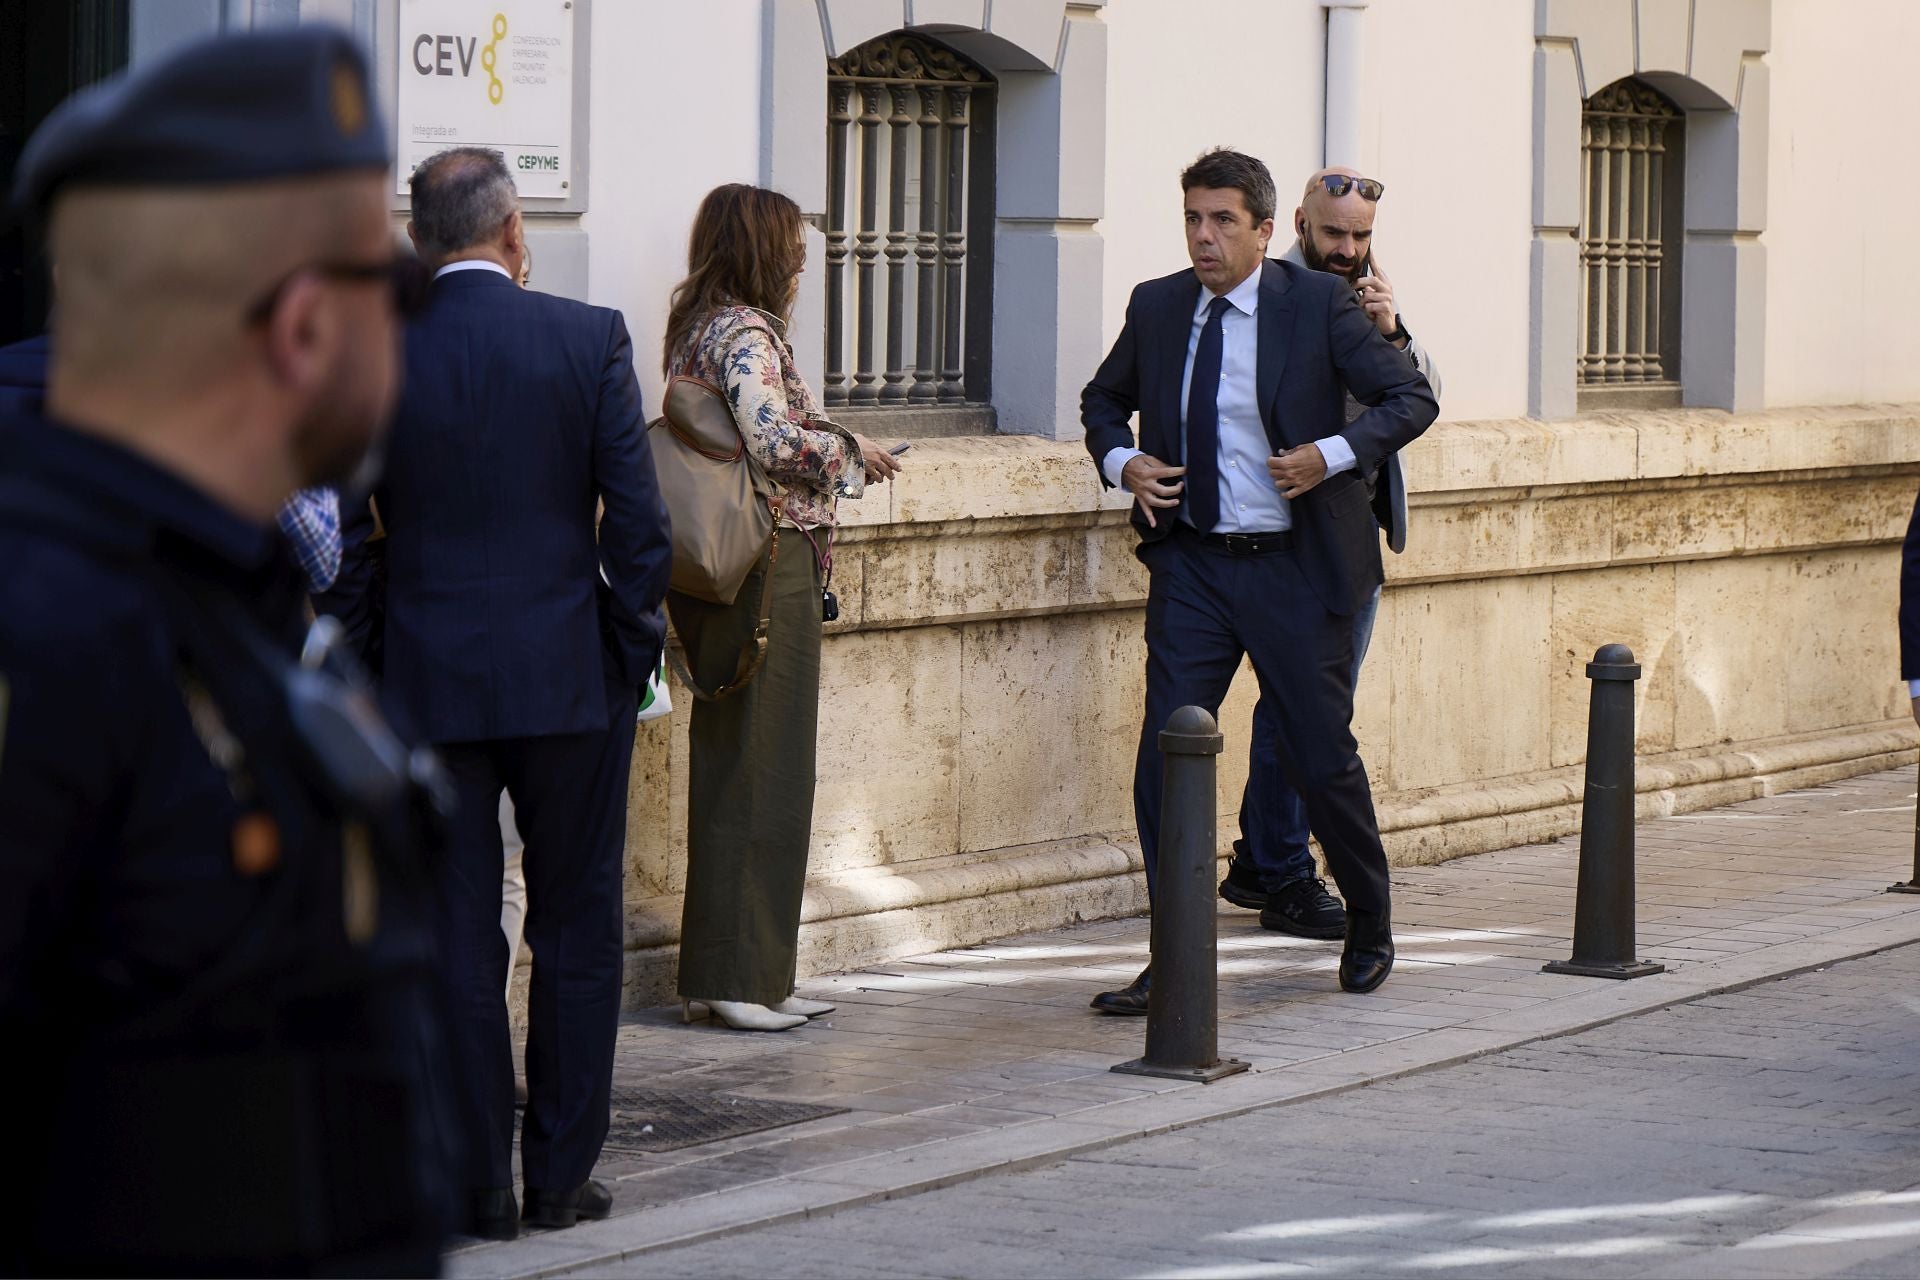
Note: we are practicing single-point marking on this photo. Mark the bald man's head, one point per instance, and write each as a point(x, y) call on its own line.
point(1336, 232)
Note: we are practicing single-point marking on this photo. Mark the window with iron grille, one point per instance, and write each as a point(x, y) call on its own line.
point(1631, 229)
point(909, 231)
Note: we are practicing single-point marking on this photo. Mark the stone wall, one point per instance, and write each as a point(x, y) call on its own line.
point(982, 692)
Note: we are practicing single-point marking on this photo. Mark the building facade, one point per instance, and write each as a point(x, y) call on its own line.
point(1645, 238)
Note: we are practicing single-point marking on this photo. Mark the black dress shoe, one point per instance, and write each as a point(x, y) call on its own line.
point(1242, 886)
point(1130, 1001)
point(493, 1214)
point(1305, 909)
point(564, 1208)
point(1368, 957)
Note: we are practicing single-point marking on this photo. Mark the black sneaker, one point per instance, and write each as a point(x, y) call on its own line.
point(1304, 909)
point(1242, 885)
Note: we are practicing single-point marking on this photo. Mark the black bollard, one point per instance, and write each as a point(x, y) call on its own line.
point(1603, 909)
point(1183, 1007)
point(1913, 885)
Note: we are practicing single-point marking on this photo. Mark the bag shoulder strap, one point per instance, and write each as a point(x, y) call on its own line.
point(752, 654)
point(770, 489)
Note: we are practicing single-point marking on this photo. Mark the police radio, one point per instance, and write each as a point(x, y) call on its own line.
point(363, 763)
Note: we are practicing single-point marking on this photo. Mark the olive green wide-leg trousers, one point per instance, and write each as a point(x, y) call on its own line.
point(750, 783)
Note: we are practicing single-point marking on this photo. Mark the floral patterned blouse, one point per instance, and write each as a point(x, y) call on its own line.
point(740, 350)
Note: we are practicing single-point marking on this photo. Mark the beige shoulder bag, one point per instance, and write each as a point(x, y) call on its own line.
point(723, 509)
point(722, 504)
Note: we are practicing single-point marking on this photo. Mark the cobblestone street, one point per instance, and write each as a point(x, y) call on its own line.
point(1768, 1132)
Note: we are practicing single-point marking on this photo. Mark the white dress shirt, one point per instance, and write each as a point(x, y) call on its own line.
point(472, 264)
point(1249, 500)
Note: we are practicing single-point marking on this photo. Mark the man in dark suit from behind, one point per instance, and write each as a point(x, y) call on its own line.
point(503, 644)
point(1252, 512)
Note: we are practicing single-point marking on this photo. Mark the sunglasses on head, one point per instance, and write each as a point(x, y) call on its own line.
point(405, 276)
point(1338, 184)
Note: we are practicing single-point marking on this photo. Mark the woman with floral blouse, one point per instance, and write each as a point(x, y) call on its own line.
point(751, 776)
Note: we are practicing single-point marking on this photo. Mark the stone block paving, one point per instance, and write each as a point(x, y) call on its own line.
point(999, 1036)
point(1769, 1132)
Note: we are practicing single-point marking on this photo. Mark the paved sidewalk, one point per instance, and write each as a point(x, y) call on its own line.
point(1762, 1133)
point(986, 1059)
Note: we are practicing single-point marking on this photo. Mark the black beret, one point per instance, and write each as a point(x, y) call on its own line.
point(279, 103)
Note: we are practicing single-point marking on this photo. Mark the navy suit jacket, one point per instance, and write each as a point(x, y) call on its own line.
point(1315, 345)
point(521, 412)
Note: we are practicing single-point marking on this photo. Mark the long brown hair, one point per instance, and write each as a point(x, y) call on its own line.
point(745, 250)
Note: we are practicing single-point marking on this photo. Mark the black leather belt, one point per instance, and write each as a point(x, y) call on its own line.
point(1250, 544)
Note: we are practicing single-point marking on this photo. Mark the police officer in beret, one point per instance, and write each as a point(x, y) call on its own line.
point(220, 1034)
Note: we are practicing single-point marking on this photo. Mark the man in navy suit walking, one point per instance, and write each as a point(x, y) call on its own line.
point(1253, 514)
point(505, 646)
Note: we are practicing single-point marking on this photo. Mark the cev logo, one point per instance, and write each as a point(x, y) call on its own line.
point(435, 55)
point(495, 90)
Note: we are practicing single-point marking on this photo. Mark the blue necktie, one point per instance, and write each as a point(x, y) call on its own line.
point(1203, 423)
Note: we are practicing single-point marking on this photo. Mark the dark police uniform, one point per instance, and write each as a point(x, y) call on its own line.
point(221, 1035)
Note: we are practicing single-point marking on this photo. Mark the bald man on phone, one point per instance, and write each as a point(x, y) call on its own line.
point(1272, 870)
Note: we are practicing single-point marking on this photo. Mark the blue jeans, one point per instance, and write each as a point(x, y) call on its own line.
point(1273, 818)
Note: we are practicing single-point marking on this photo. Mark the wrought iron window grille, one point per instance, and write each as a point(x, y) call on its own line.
point(1632, 180)
point(911, 121)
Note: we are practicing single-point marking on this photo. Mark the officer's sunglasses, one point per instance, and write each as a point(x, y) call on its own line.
point(404, 275)
point(1338, 184)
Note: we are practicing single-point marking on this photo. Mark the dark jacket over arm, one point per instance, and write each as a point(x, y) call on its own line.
point(358, 593)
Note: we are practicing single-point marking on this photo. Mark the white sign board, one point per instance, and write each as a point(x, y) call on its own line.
point(489, 73)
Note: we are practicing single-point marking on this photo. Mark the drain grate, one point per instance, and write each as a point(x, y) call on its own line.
point(670, 1119)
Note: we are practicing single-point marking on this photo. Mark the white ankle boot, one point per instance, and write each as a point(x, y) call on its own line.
point(742, 1016)
point(805, 1008)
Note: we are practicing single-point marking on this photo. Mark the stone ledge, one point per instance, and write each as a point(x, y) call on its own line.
point(985, 477)
point(1014, 527)
point(1018, 566)
point(856, 918)
point(1660, 443)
